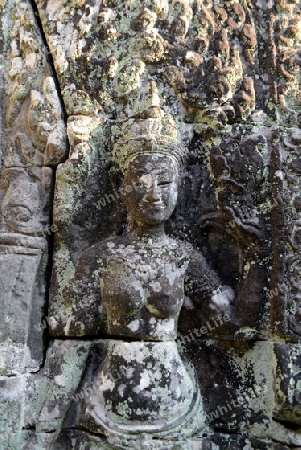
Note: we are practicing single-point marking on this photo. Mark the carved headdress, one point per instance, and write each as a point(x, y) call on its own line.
point(150, 136)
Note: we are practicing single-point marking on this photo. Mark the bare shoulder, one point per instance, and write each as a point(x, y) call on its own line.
point(193, 254)
point(95, 255)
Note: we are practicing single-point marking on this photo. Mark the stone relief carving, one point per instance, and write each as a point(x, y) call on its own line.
point(140, 278)
point(34, 143)
point(230, 73)
point(195, 42)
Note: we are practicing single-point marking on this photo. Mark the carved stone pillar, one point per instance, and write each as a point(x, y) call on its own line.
point(33, 142)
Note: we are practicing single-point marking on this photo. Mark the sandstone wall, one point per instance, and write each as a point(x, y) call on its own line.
point(229, 72)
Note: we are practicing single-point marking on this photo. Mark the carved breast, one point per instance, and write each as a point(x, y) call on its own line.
point(142, 287)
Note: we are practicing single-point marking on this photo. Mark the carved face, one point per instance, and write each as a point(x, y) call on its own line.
point(21, 205)
point(150, 189)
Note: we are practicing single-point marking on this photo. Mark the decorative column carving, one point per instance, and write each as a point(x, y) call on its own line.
point(33, 142)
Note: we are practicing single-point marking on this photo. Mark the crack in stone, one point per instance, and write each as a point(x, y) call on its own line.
point(49, 58)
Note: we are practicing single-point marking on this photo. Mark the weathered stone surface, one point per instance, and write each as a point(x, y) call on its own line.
point(34, 141)
point(228, 75)
point(218, 441)
point(287, 389)
point(285, 221)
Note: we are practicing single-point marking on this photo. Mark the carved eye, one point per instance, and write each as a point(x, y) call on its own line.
point(139, 183)
point(22, 214)
point(142, 181)
point(164, 183)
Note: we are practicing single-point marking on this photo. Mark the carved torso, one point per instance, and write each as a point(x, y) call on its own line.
point(139, 284)
point(143, 287)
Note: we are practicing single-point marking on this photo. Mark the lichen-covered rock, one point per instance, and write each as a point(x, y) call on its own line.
point(33, 139)
point(222, 82)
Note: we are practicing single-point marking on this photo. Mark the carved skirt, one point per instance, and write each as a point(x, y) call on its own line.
point(142, 387)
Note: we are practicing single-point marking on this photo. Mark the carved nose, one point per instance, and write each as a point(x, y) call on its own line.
point(152, 194)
